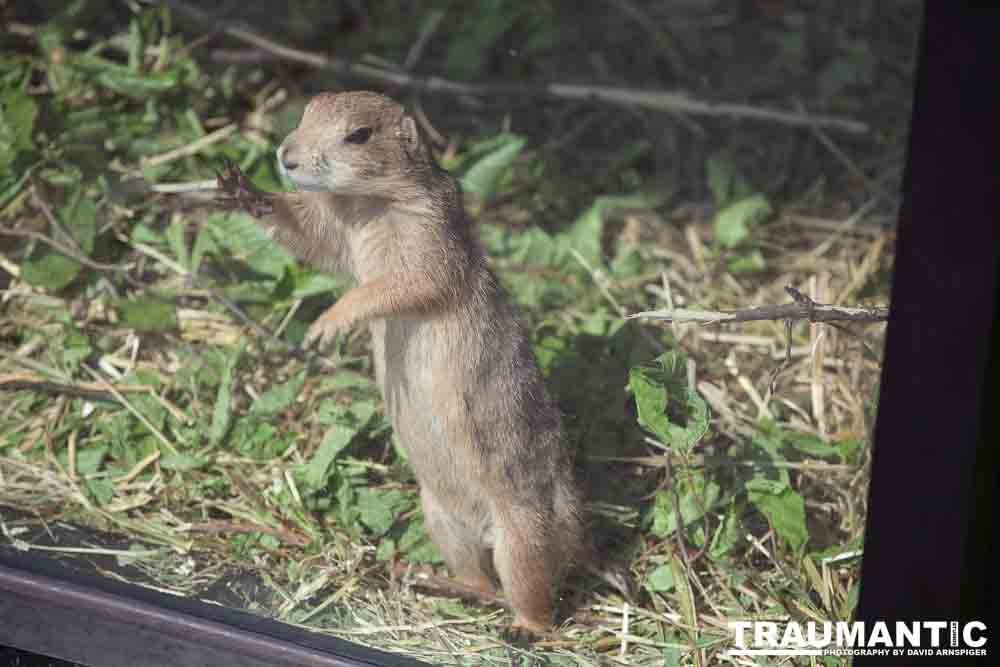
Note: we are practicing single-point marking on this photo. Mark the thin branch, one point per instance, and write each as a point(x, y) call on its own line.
point(63, 248)
point(658, 100)
point(85, 390)
point(70, 248)
point(423, 39)
point(805, 309)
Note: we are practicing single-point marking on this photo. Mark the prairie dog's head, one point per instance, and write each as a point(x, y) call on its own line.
point(354, 143)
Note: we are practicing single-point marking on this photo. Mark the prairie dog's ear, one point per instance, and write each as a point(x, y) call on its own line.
point(409, 134)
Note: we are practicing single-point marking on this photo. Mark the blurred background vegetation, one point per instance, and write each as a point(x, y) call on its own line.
point(153, 395)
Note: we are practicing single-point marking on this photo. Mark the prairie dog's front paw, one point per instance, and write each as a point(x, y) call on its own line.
point(324, 330)
point(237, 192)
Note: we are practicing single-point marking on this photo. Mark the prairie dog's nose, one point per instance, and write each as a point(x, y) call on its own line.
point(288, 157)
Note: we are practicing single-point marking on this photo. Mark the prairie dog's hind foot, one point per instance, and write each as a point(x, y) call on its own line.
point(522, 635)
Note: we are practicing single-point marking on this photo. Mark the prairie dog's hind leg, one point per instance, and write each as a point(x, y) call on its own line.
point(462, 547)
point(530, 561)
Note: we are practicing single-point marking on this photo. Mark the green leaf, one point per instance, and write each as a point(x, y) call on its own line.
point(650, 400)
point(89, 459)
point(137, 86)
point(336, 439)
point(258, 439)
point(725, 180)
point(18, 112)
point(76, 347)
point(417, 545)
point(148, 313)
point(587, 232)
point(661, 579)
point(242, 236)
point(784, 508)
point(484, 176)
point(347, 379)
point(222, 412)
point(654, 387)
point(813, 446)
point(386, 550)
point(308, 282)
point(276, 399)
point(729, 534)
point(733, 223)
point(203, 244)
point(51, 269)
point(379, 509)
point(752, 262)
point(101, 490)
point(178, 243)
point(700, 496)
point(181, 462)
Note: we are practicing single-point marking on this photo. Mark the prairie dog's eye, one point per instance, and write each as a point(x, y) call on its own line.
point(359, 136)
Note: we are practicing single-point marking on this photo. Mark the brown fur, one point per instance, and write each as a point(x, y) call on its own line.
point(460, 381)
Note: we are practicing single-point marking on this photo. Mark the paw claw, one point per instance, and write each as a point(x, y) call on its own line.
point(236, 192)
point(519, 635)
point(318, 337)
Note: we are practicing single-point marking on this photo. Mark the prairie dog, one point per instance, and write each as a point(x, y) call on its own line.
point(460, 381)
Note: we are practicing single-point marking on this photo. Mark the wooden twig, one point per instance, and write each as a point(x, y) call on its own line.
point(65, 249)
point(70, 248)
point(803, 308)
point(657, 100)
point(90, 391)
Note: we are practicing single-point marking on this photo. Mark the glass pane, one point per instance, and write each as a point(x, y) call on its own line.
point(632, 173)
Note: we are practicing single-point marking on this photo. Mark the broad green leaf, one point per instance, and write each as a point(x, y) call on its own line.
point(784, 508)
point(178, 243)
point(813, 446)
point(148, 313)
point(76, 347)
point(51, 269)
point(587, 232)
point(18, 112)
point(729, 534)
point(258, 439)
point(348, 379)
point(203, 244)
point(245, 239)
point(661, 579)
point(417, 545)
point(752, 262)
point(222, 411)
point(89, 459)
point(733, 223)
point(308, 283)
point(379, 509)
point(386, 550)
point(654, 388)
point(651, 401)
point(102, 490)
point(136, 46)
point(336, 439)
point(276, 399)
point(182, 462)
point(725, 180)
point(138, 86)
point(484, 176)
point(695, 500)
